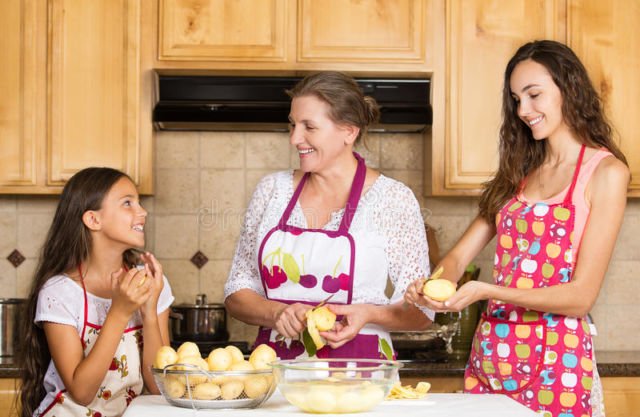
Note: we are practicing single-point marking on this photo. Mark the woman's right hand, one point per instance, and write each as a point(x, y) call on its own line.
point(129, 290)
point(415, 296)
point(290, 320)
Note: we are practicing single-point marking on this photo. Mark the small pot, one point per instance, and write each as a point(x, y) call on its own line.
point(199, 321)
point(11, 312)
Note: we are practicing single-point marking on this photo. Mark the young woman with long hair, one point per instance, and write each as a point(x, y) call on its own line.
point(556, 205)
point(92, 303)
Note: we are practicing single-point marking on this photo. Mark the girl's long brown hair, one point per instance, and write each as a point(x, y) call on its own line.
point(67, 245)
point(520, 153)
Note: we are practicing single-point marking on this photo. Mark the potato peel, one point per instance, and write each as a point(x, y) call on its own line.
point(408, 392)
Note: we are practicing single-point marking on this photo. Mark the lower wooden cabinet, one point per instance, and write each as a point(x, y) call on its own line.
point(621, 396)
point(8, 396)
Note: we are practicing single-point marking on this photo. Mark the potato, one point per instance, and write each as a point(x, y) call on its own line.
point(236, 354)
point(312, 328)
point(262, 356)
point(219, 360)
point(241, 366)
point(165, 356)
point(256, 386)
point(199, 363)
point(320, 400)
point(324, 318)
point(232, 389)
point(206, 391)
point(173, 387)
point(188, 349)
point(439, 289)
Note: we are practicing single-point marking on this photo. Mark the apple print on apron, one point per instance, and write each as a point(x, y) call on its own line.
point(308, 265)
point(541, 360)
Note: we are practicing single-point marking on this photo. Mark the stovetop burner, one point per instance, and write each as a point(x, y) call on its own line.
point(207, 346)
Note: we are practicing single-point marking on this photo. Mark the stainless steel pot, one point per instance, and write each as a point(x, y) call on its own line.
point(199, 321)
point(11, 311)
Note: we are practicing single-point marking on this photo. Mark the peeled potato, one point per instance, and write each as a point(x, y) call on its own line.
point(232, 390)
point(262, 356)
point(174, 388)
point(236, 354)
point(312, 328)
point(320, 400)
point(219, 360)
point(439, 289)
point(165, 356)
point(188, 349)
point(256, 386)
point(207, 391)
point(324, 318)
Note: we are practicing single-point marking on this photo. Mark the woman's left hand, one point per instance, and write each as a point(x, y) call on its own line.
point(153, 270)
point(466, 295)
point(354, 317)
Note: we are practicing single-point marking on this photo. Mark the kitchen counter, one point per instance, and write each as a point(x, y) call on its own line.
point(610, 364)
point(442, 405)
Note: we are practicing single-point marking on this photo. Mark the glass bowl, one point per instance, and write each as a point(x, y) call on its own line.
point(335, 385)
point(188, 386)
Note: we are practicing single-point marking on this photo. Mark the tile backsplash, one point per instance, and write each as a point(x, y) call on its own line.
point(204, 181)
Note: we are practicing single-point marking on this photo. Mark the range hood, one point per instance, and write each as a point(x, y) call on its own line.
point(261, 104)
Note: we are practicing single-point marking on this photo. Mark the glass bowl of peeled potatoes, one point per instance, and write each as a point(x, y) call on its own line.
point(222, 380)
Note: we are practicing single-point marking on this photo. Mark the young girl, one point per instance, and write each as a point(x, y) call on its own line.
point(91, 305)
point(556, 205)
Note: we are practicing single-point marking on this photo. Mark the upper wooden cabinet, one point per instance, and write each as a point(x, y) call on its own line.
point(74, 69)
point(480, 38)
point(292, 35)
point(605, 36)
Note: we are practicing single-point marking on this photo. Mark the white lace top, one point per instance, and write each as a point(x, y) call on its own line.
point(388, 230)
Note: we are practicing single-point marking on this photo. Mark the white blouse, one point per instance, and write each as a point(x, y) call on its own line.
point(388, 230)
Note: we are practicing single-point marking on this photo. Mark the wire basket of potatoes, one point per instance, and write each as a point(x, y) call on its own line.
point(223, 380)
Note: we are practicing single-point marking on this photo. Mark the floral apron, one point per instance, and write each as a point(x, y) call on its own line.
point(122, 383)
point(542, 360)
point(309, 265)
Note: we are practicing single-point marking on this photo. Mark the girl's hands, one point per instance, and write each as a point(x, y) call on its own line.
point(153, 271)
point(290, 320)
point(415, 296)
point(354, 317)
point(466, 295)
point(129, 290)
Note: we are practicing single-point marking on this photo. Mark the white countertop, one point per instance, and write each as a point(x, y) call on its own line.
point(440, 405)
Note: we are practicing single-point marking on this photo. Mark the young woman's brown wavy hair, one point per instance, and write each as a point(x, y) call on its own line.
point(67, 245)
point(520, 153)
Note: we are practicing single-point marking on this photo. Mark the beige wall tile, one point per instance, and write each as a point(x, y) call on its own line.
point(218, 239)
point(628, 244)
point(411, 178)
point(8, 276)
point(177, 150)
point(150, 234)
point(148, 202)
point(8, 233)
point(622, 331)
point(448, 230)
point(239, 331)
point(600, 318)
point(401, 151)
point(25, 276)
point(222, 190)
point(452, 206)
point(37, 204)
point(8, 203)
point(212, 279)
point(183, 278)
point(222, 150)
point(267, 150)
point(622, 284)
point(370, 150)
point(32, 230)
point(179, 192)
point(176, 236)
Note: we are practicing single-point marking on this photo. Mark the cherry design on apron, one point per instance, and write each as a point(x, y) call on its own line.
point(122, 383)
point(542, 360)
point(308, 265)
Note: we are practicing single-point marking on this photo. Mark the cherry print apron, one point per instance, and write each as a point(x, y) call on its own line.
point(542, 360)
point(308, 265)
point(122, 383)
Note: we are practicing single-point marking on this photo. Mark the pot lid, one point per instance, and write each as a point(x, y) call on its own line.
point(201, 302)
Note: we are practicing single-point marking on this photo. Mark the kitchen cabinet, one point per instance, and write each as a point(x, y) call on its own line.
point(8, 397)
point(479, 38)
point(386, 35)
point(481, 35)
point(621, 396)
point(75, 69)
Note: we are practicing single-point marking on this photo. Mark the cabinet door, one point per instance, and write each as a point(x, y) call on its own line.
point(481, 36)
point(22, 83)
point(390, 31)
point(94, 89)
point(606, 37)
point(223, 30)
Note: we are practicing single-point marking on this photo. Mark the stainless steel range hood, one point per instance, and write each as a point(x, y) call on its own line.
point(261, 104)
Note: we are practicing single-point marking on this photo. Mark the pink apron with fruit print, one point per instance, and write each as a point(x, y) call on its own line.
point(122, 383)
point(309, 265)
point(542, 360)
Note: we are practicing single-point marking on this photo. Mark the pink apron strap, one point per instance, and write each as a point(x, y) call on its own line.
point(569, 197)
point(352, 202)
